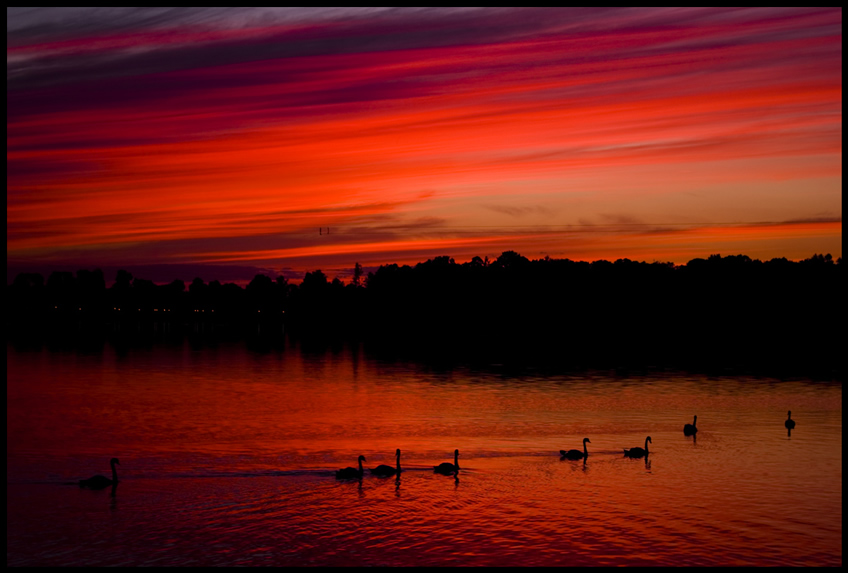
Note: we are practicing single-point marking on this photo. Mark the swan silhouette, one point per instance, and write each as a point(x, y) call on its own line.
point(690, 429)
point(101, 482)
point(388, 471)
point(789, 423)
point(576, 454)
point(351, 473)
point(638, 452)
point(448, 468)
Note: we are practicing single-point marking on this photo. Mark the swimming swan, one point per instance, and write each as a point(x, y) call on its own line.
point(351, 473)
point(100, 482)
point(387, 471)
point(690, 429)
point(576, 454)
point(789, 423)
point(638, 452)
point(447, 468)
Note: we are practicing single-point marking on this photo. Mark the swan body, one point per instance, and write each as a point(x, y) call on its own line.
point(576, 454)
point(101, 482)
point(448, 468)
point(789, 423)
point(638, 452)
point(351, 473)
point(387, 471)
point(690, 429)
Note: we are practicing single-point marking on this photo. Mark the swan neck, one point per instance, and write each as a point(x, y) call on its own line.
point(585, 451)
point(646, 445)
point(456, 459)
point(114, 473)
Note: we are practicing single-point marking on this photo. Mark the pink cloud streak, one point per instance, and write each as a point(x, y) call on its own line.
point(259, 147)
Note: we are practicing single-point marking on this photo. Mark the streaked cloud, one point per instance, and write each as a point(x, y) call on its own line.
point(219, 135)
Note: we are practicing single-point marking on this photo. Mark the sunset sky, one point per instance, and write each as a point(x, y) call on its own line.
point(217, 142)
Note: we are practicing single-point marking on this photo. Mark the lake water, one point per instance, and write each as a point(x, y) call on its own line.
point(227, 457)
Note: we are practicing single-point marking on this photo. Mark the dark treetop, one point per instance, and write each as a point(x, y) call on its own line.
point(725, 312)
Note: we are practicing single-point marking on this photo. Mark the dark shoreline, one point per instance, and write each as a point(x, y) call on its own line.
point(722, 314)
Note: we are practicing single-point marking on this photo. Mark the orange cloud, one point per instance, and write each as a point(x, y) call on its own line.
point(182, 162)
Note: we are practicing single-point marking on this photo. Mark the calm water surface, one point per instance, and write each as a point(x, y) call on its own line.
point(228, 458)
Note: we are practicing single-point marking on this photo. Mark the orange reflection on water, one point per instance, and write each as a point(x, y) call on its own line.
point(226, 451)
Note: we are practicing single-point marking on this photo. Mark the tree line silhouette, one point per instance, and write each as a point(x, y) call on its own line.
point(721, 311)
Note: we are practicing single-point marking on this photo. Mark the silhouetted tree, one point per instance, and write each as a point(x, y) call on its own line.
point(172, 299)
point(197, 288)
point(25, 300)
point(123, 280)
point(357, 275)
point(281, 291)
point(510, 260)
point(61, 291)
point(314, 282)
point(26, 281)
point(91, 282)
point(263, 295)
point(144, 295)
point(718, 311)
point(178, 286)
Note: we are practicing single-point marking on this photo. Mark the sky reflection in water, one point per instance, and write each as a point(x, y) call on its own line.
point(227, 457)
